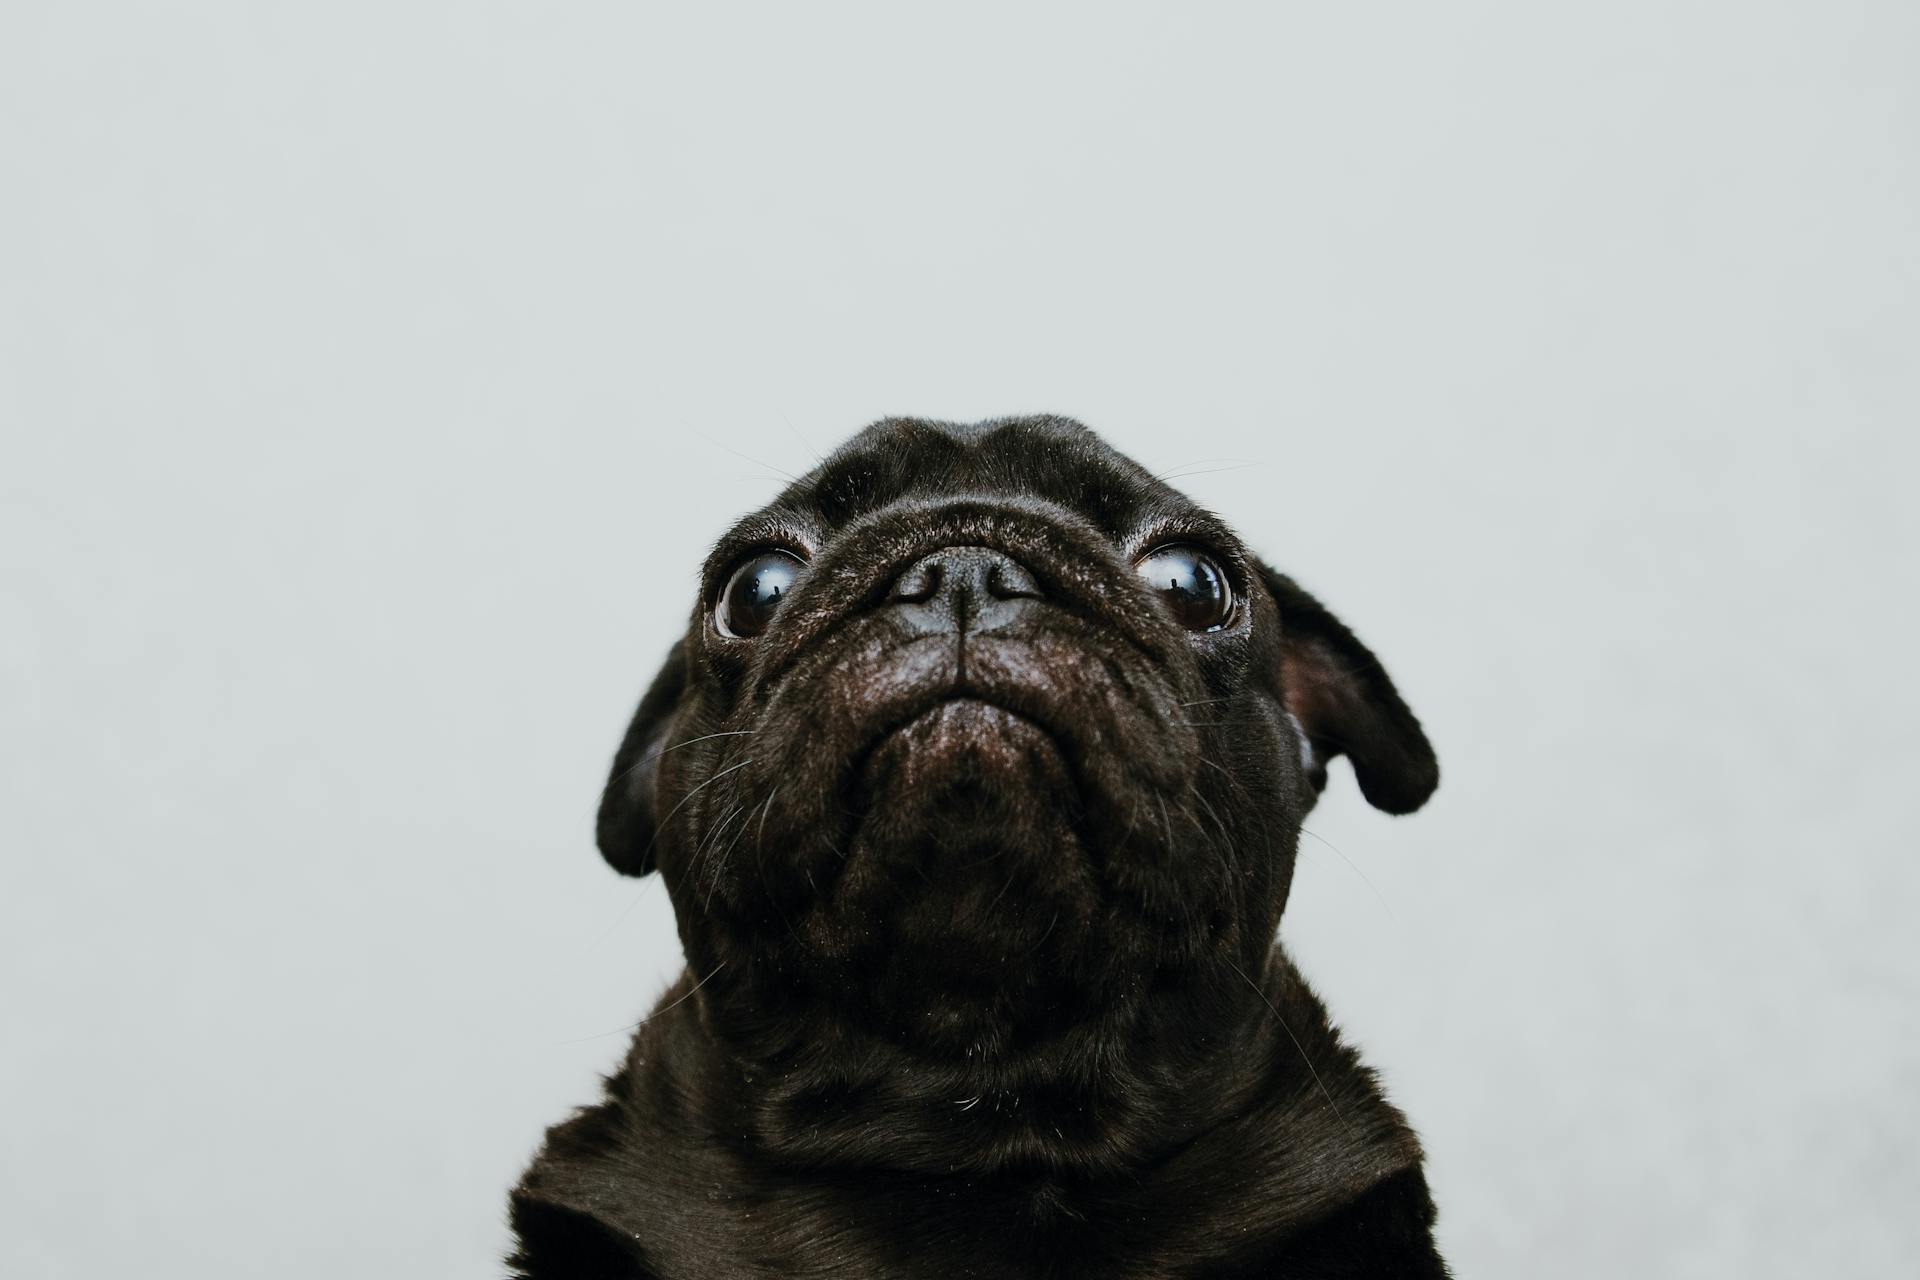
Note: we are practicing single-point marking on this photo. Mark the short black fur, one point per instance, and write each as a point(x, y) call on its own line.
point(977, 857)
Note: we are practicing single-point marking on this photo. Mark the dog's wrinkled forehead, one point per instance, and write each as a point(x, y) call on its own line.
point(1048, 458)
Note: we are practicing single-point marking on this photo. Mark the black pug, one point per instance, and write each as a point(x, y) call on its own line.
point(977, 783)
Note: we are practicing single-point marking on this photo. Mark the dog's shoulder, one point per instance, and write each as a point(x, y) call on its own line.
point(575, 1211)
point(1387, 1231)
point(557, 1242)
point(617, 1185)
point(1318, 1176)
point(1321, 1176)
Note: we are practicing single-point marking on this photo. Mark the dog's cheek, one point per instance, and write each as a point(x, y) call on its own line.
point(681, 782)
point(1250, 799)
point(1280, 753)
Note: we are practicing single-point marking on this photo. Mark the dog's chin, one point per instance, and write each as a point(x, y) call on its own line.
point(968, 825)
point(967, 898)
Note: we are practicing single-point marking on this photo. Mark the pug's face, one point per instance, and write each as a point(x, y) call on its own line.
point(979, 732)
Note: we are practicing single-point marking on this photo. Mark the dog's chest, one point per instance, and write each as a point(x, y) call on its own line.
point(919, 1233)
point(674, 1211)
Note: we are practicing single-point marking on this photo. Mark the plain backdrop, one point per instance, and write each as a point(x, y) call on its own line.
point(374, 375)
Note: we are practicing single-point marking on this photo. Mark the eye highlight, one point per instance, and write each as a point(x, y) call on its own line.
point(753, 591)
point(1191, 582)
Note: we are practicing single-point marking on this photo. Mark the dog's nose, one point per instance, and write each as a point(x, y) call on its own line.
point(962, 589)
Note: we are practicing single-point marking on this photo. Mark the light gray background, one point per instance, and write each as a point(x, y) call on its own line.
point(373, 376)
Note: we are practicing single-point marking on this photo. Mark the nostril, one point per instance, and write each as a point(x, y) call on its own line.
point(1009, 580)
point(918, 584)
point(963, 585)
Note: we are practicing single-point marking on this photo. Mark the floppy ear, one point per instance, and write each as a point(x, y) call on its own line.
point(626, 824)
point(1340, 696)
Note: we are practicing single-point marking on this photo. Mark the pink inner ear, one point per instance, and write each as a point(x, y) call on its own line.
point(1313, 696)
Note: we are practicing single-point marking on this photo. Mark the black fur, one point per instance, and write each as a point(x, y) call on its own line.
point(978, 886)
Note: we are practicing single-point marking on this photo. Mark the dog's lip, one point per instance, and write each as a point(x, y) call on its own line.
point(937, 699)
point(968, 700)
point(961, 694)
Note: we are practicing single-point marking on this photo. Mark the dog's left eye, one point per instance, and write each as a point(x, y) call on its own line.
point(1191, 582)
point(753, 592)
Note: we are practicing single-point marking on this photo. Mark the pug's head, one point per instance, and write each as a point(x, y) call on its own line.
point(979, 733)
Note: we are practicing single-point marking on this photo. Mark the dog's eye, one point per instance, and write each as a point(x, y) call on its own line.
point(753, 592)
point(1191, 583)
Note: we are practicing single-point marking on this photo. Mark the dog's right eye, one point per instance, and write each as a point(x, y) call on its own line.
point(1192, 584)
point(754, 591)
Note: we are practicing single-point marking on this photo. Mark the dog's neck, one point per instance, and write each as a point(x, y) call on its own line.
point(1119, 1093)
point(691, 1130)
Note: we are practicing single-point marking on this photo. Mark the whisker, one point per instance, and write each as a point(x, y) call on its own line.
point(1219, 824)
point(662, 824)
point(1043, 937)
point(804, 442)
point(1014, 875)
point(720, 866)
point(621, 918)
point(705, 737)
point(1206, 466)
point(687, 872)
point(1296, 1040)
point(1208, 760)
point(601, 1035)
point(1368, 880)
point(748, 457)
point(760, 836)
point(1205, 471)
point(711, 840)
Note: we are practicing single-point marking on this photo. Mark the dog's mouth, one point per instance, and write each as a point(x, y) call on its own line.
point(936, 754)
point(960, 746)
point(960, 785)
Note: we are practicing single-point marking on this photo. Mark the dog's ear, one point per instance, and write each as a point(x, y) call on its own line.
point(1339, 695)
point(626, 824)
